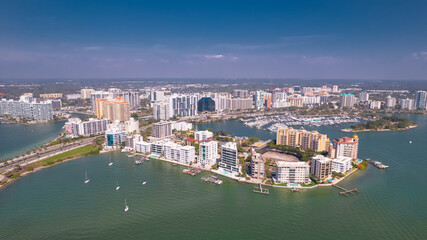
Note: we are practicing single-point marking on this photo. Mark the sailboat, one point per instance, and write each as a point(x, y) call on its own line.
point(86, 178)
point(111, 163)
point(117, 186)
point(126, 206)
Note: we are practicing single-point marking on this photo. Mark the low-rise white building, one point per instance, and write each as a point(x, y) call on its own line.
point(203, 135)
point(182, 126)
point(143, 147)
point(131, 126)
point(341, 164)
point(292, 172)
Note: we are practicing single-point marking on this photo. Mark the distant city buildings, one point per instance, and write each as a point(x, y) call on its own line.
point(72, 96)
point(363, 97)
point(85, 93)
point(206, 104)
point(374, 104)
point(27, 108)
point(407, 104)
point(302, 138)
point(390, 102)
point(183, 104)
point(347, 100)
point(51, 95)
point(421, 100)
point(161, 110)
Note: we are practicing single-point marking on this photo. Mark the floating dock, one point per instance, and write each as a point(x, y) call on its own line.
point(259, 189)
point(377, 164)
point(346, 191)
point(211, 179)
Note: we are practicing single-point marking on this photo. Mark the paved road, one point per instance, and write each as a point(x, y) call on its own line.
point(47, 153)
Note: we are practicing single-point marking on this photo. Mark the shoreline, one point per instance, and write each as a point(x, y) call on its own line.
point(379, 130)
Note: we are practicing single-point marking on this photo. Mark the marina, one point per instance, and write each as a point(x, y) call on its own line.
point(273, 123)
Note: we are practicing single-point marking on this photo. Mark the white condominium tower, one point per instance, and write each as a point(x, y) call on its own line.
point(229, 161)
point(208, 152)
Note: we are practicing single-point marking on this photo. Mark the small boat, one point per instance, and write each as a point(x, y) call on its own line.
point(410, 142)
point(86, 178)
point(110, 163)
point(144, 183)
point(126, 206)
point(174, 164)
point(117, 186)
point(137, 162)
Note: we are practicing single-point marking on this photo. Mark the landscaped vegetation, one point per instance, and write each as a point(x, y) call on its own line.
point(302, 155)
point(385, 123)
point(78, 152)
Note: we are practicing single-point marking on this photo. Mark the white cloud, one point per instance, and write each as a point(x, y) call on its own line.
point(217, 56)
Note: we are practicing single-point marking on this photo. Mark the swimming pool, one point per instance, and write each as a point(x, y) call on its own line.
point(294, 185)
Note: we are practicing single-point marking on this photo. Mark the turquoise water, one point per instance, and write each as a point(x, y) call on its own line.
point(17, 139)
point(54, 203)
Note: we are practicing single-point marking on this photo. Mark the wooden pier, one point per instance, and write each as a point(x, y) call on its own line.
point(346, 191)
point(261, 190)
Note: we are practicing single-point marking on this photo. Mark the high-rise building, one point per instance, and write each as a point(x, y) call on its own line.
point(346, 147)
point(296, 102)
point(407, 104)
point(421, 100)
point(208, 153)
point(206, 104)
point(115, 137)
point(347, 100)
point(363, 97)
point(97, 95)
point(335, 88)
point(183, 104)
point(162, 129)
point(240, 103)
point(259, 99)
point(375, 104)
point(390, 102)
point(220, 102)
point(26, 109)
point(302, 138)
point(85, 93)
point(112, 109)
point(321, 167)
point(77, 127)
point(229, 161)
point(238, 93)
point(257, 167)
point(131, 126)
point(292, 172)
point(161, 110)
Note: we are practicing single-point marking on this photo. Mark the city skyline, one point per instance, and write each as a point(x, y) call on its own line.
point(221, 39)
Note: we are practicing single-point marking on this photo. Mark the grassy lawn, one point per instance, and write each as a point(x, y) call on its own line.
point(81, 151)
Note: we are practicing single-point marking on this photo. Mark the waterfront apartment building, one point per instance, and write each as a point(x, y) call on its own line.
point(347, 100)
point(390, 102)
point(115, 137)
point(302, 138)
point(176, 152)
point(421, 100)
point(162, 129)
point(77, 127)
point(142, 147)
point(112, 109)
point(51, 95)
point(321, 167)
point(86, 92)
point(292, 172)
point(229, 161)
point(208, 153)
point(240, 103)
point(341, 164)
point(407, 104)
point(346, 147)
point(203, 135)
point(257, 167)
point(41, 111)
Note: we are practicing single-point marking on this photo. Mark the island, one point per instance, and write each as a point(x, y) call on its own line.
point(386, 123)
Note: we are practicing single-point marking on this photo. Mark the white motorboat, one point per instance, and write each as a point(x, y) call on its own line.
point(126, 206)
point(86, 178)
point(117, 186)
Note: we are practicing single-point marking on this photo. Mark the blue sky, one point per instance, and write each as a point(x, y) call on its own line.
point(213, 39)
